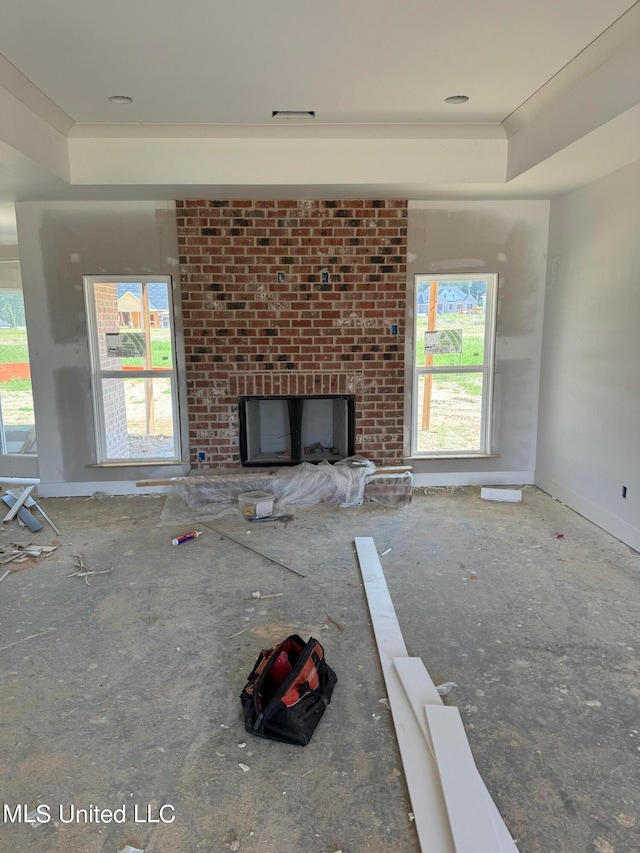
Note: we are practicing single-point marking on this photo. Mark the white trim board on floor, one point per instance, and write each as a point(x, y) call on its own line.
point(471, 824)
point(421, 772)
point(421, 691)
point(509, 495)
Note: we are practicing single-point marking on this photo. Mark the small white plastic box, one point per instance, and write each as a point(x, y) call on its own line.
point(255, 504)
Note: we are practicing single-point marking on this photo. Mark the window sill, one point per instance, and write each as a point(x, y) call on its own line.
point(147, 463)
point(433, 456)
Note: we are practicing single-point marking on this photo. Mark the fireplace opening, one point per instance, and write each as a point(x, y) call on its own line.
point(287, 430)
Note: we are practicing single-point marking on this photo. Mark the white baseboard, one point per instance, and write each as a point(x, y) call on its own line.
point(603, 518)
point(105, 487)
point(475, 478)
point(128, 487)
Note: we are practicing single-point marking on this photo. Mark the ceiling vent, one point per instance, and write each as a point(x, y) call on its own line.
point(293, 114)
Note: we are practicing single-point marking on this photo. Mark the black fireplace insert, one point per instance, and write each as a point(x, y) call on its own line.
point(289, 429)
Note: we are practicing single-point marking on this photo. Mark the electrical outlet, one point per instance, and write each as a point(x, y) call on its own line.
point(280, 278)
point(394, 329)
point(201, 456)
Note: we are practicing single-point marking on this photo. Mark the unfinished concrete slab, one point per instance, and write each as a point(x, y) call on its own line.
point(123, 692)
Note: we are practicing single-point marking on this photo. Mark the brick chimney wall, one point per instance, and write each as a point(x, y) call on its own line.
point(293, 297)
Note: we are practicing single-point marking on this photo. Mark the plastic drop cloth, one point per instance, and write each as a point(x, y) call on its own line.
point(302, 485)
point(341, 484)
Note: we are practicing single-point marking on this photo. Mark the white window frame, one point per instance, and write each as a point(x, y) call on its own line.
point(24, 456)
point(486, 369)
point(98, 374)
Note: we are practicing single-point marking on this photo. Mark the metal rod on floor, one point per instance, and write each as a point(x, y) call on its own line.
point(255, 550)
point(46, 517)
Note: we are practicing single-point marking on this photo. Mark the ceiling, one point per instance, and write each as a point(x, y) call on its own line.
point(547, 81)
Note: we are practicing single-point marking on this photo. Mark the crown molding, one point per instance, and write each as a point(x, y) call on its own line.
point(85, 130)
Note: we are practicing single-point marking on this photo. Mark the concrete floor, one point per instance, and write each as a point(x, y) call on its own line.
point(129, 692)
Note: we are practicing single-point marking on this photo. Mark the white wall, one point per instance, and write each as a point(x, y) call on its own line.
point(60, 242)
point(508, 238)
point(589, 423)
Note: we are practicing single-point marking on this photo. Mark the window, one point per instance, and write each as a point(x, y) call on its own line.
point(17, 423)
point(133, 375)
point(453, 353)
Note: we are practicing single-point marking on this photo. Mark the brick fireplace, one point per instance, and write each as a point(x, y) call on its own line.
point(285, 298)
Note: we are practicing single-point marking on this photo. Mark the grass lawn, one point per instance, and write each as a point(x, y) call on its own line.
point(472, 354)
point(472, 326)
point(15, 394)
point(161, 351)
point(13, 346)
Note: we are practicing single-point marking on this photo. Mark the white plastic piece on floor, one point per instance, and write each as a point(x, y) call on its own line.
point(511, 495)
point(36, 819)
point(446, 687)
point(130, 849)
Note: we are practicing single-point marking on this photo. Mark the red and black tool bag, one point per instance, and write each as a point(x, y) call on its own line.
point(288, 691)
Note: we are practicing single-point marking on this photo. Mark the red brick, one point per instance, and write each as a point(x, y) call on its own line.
point(309, 326)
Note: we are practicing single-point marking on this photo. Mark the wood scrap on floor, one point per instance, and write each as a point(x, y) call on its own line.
point(19, 553)
point(84, 571)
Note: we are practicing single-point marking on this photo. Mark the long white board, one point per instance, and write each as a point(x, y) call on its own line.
point(420, 769)
point(421, 691)
point(471, 824)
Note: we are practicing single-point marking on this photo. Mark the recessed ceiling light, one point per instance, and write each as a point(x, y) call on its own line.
point(457, 99)
point(121, 99)
point(293, 114)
